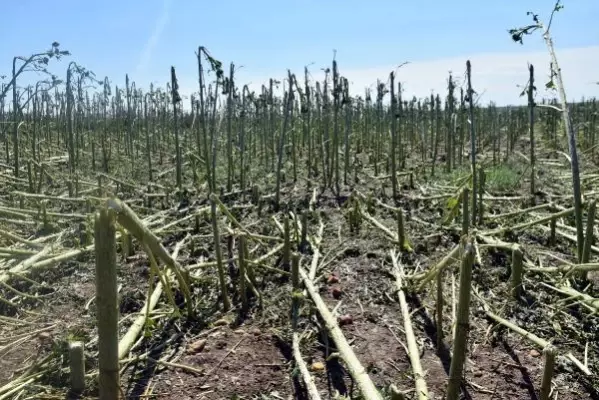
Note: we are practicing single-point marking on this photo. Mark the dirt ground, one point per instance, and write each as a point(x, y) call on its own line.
point(232, 356)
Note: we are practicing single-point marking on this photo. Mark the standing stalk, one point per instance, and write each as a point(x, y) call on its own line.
point(107, 314)
point(175, 100)
point(462, 325)
point(470, 96)
point(219, 258)
point(531, 127)
point(287, 117)
point(230, 91)
point(394, 140)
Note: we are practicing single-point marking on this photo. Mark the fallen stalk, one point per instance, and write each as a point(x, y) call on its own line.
point(519, 212)
point(425, 277)
point(535, 339)
point(355, 368)
point(525, 225)
point(127, 218)
point(413, 351)
point(301, 365)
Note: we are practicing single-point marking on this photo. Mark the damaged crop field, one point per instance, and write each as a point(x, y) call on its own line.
point(297, 242)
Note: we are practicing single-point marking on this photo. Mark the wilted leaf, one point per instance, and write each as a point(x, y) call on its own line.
point(517, 37)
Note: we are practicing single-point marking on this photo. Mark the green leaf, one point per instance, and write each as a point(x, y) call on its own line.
point(452, 202)
point(453, 207)
point(407, 246)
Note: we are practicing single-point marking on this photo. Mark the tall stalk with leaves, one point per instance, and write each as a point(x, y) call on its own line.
point(208, 147)
point(557, 82)
point(37, 62)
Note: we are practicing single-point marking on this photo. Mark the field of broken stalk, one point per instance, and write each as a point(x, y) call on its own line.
point(310, 245)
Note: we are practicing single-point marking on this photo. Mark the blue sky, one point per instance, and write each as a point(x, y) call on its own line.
point(144, 38)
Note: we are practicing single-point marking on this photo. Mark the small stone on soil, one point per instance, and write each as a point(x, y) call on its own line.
point(318, 366)
point(256, 332)
point(221, 322)
point(345, 320)
point(336, 292)
point(197, 346)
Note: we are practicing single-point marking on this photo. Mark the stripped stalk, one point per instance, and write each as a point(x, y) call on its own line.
point(516, 277)
point(354, 367)
point(107, 314)
point(242, 274)
point(462, 325)
point(531, 126)
point(549, 353)
point(588, 240)
point(413, 351)
point(130, 221)
point(470, 96)
point(219, 258)
point(77, 366)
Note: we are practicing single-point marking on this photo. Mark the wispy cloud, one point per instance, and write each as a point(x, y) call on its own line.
point(161, 22)
point(495, 76)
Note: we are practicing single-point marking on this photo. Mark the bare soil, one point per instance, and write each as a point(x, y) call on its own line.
point(233, 356)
